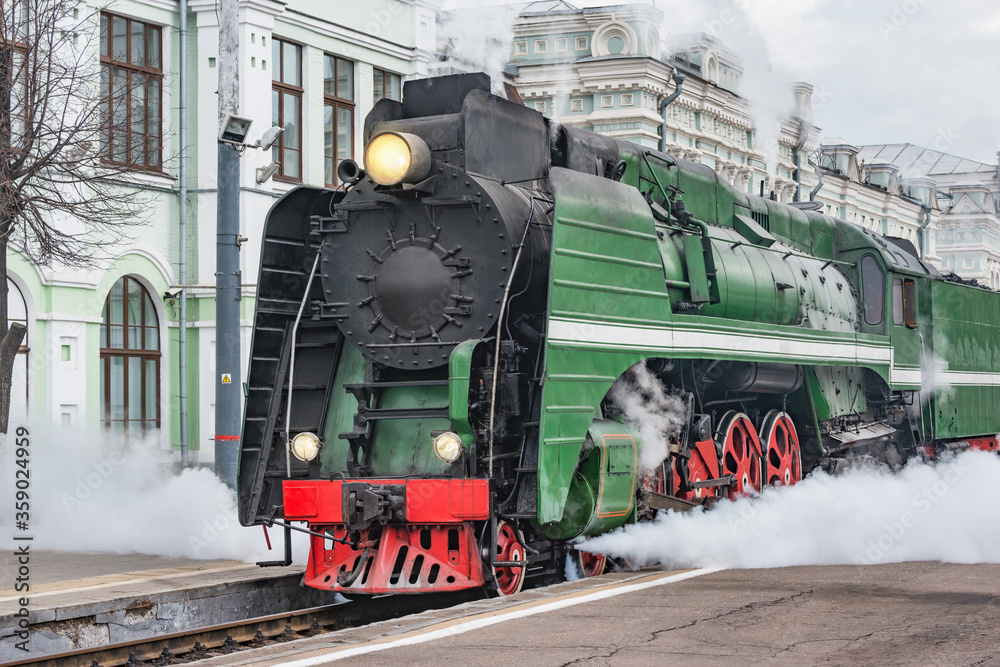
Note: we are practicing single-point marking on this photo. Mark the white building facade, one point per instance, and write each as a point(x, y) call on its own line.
point(606, 69)
point(102, 344)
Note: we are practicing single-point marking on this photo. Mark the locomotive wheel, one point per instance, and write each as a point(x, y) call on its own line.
point(697, 471)
point(509, 580)
point(658, 480)
point(591, 565)
point(740, 453)
point(783, 456)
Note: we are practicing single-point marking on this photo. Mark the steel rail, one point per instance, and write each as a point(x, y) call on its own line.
point(279, 627)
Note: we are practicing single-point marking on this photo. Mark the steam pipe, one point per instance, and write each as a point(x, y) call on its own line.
point(182, 232)
point(679, 80)
point(803, 136)
point(819, 186)
point(921, 233)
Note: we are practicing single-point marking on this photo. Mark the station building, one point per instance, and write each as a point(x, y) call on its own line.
point(101, 349)
point(102, 343)
point(607, 69)
point(966, 193)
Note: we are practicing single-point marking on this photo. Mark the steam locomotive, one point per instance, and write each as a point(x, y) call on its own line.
point(441, 348)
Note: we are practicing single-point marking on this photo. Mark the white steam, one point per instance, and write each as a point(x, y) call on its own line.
point(934, 377)
point(658, 416)
point(764, 86)
point(947, 511)
point(478, 37)
point(572, 569)
point(96, 495)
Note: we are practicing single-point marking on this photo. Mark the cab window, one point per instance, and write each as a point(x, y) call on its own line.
point(872, 289)
point(904, 302)
point(910, 303)
point(897, 302)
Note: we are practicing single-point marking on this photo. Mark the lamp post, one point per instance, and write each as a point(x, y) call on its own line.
point(227, 272)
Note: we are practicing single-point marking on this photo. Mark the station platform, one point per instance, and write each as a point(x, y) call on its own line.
point(903, 613)
point(80, 600)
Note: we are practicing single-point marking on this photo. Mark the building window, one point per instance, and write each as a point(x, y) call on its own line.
point(130, 360)
point(132, 84)
point(628, 99)
point(17, 311)
point(607, 101)
point(286, 107)
point(12, 63)
point(576, 104)
point(540, 106)
point(562, 44)
point(520, 48)
point(541, 46)
point(338, 115)
point(968, 264)
point(581, 43)
point(386, 84)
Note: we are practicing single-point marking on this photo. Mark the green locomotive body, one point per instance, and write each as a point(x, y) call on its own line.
point(454, 346)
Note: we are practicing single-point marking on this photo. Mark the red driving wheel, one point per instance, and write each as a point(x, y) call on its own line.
point(508, 548)
point(657, 480)
point(741, 455)
point(591, 565)
point(698, 470)
point(783, 455)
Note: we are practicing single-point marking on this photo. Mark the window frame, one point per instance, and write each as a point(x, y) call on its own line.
point(910, 303)
point(282, 88)
point(869, 291)
point(338, 103)
point(16, 48)
point(152, 75)
point(386, 77)
point(126, 352)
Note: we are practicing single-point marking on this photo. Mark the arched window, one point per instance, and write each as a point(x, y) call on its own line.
point(130, 360)
point(17, 311)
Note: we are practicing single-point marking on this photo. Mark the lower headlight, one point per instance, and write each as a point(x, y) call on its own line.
point(448, 447)
point(305, 446)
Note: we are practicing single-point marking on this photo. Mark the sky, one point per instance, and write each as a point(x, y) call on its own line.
point(884, 71)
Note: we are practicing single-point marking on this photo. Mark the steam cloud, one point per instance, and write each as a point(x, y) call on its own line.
point(94, 495)
point(479, 36)
point(766, 89)
point(946, 511)
point(658, 416)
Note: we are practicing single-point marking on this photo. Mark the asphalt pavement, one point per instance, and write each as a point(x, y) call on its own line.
point(892, 614)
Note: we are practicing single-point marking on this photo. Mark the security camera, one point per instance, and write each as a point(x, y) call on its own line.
point(173, 292)
point(270, 137)
point(264, 173)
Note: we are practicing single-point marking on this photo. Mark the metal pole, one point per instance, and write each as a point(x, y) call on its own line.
point(182, 263)
point(227, 276)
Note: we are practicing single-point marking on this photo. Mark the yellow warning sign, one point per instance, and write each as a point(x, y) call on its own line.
point(227, 378)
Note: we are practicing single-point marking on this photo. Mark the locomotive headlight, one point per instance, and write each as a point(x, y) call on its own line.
point(448, 447)
point(305, 446)
point(397, 157)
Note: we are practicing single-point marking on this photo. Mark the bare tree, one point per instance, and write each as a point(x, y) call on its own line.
point(74, 128)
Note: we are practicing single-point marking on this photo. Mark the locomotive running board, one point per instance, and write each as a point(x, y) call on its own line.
point(658, 501)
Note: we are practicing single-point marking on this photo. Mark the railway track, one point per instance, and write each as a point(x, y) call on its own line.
point(200, 643)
